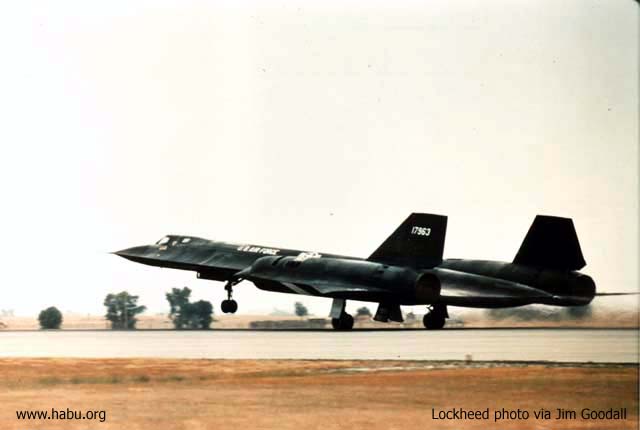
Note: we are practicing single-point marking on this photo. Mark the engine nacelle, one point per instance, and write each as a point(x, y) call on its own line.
point(339, 277)
point(570, 288)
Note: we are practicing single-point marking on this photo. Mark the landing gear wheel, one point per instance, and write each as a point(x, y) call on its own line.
point(433, 322)
point(233, 306)
point(345, 322)
point(435, 318)
point(229, 306)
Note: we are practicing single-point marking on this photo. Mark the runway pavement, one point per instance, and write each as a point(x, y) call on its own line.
point(564, 345)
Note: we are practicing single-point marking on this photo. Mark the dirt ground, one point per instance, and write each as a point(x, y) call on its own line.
point(287, 394)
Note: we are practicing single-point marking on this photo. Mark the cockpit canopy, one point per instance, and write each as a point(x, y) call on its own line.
point(163, 241)
point(175, 240)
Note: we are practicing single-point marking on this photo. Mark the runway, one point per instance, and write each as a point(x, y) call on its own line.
point(562, 345)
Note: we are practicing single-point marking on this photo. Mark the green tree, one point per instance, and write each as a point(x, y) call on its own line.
point(363, 311)
point(178, 303)
point(122, 309)
point(50, 318)
point(301, 310)
point(184, 314)
point(201, 314)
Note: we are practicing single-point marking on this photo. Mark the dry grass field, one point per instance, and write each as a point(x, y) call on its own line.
point(286, 394)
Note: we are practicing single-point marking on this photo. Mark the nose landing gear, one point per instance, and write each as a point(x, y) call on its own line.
point(229, 306)
point(435, 318)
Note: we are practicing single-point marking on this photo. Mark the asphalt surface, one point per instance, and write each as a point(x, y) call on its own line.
point(559, 345)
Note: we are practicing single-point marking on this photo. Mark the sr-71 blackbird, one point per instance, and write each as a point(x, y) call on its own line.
point(407, 269)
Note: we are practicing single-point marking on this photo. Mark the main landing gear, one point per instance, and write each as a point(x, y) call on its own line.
point(340, 319)
point(344, 322)
point(435, 318)
point(229, 306)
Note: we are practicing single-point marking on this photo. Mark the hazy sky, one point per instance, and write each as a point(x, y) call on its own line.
point(314, 126)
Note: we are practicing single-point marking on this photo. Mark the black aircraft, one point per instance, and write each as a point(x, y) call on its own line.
point(407, 269)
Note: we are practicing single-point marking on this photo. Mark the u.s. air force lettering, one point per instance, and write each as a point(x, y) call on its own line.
point(258, 250)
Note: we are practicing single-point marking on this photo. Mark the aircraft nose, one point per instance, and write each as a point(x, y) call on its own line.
point(136, 251)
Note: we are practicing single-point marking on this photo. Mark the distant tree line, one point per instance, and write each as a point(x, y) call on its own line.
point(122, 310)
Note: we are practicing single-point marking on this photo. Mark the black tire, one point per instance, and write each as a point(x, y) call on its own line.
point(224, 306)
point(433, 321)
point(348, 322)
point(345, 322)
point(233, 306)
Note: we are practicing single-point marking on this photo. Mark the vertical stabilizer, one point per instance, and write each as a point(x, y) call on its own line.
point(551, 243)
point(418, 242)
